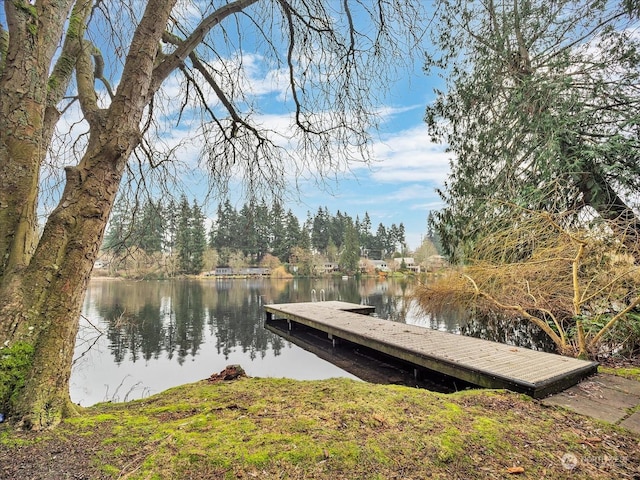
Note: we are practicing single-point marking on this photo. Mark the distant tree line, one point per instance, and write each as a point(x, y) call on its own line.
point(156, 228)
point(248, 235)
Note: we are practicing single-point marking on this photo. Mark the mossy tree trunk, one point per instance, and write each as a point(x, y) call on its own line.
point(42, 289)
point(26, 126)
point(48, 294)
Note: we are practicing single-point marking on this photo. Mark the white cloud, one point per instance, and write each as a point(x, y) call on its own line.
point(388, 113)
point(408, 192)
point(410, 156)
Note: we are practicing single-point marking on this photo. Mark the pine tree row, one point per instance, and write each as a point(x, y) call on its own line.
point(250, 233)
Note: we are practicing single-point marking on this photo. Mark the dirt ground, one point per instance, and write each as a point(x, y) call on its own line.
point(54, 459)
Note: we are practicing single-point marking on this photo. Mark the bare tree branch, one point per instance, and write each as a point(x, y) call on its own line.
point(175, 59)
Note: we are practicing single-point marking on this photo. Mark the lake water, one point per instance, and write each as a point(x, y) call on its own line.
point(138, 338)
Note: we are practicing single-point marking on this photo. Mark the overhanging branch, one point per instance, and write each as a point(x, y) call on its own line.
point(187, 46)
point(224, 99)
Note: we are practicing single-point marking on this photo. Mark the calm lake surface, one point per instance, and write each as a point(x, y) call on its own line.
point(138, 338)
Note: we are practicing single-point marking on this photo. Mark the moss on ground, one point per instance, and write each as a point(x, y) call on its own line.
point(632, 373)
point(333, 429)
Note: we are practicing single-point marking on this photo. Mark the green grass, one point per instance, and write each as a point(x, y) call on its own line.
point(632, 373)
point(334, 429)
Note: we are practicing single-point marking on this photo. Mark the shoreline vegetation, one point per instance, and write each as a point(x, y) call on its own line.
point(277, 276)
point(337, 428)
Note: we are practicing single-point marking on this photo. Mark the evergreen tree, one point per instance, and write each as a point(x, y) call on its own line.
point(365, 226)
point(380, 242)
point(190, 238)
point(213, 231)
point(396, 238)
point(198, 239)
point(264, 228)
point(293, 237)
point(402, 238)
point(278, 235)
point(118, 236)
point(392, 238)
point(171, 222)
point(183, 235)
point(248, 236)
point(350, 256)
point(337, 228)
point(226, 227)
point(364, 233)
point(211, 234)
point(305, 238)
point(320, 232)
point(150, 227)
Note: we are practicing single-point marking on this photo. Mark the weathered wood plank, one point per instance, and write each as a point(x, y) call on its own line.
point(481, 362)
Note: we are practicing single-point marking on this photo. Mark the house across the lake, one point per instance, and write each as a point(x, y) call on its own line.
point(436, 262)
point(241, 271)
point(330, 267)
point(408, 262)
point(369, 266)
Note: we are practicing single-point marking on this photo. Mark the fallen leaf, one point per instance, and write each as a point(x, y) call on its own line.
point(379, 419)
point(591, 440)
point(515, 470)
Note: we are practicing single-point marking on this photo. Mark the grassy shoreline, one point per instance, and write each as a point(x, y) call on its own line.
point(339, 428)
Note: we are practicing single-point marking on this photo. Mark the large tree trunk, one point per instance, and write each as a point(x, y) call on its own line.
point(40, 304)
point(51, 289)
point(24, 138)
point(23, 95)
point(41, 292)
point(598, 193)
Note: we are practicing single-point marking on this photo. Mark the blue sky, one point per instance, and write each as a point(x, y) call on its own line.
point(399, 185)
point(406, 167)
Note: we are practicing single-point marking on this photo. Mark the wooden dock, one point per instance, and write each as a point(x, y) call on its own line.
point(479, 362)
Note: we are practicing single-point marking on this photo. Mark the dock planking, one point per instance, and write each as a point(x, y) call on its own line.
point(476, 361)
